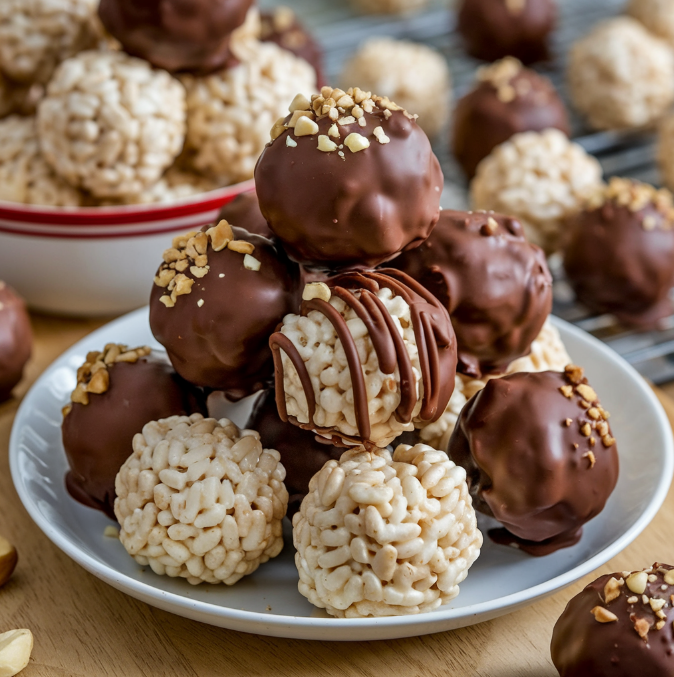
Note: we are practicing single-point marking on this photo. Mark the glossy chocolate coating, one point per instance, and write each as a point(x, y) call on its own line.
point(357, 211)
point(303, 454)
point(434, 336)
point(98, 436)
point(177, 35)
point(634, 272)
point(495, 285)
point(223, 344)
point(492, 29)
point(16, 340)
point(283, 28)
point(583, 647)
point(244, 212)
point(484, 119)
point(517, 440)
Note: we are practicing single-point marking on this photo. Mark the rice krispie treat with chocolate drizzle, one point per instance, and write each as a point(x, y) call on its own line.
point(385, 535)
point(369, 355)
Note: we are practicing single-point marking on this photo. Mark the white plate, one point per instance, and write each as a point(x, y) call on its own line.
point(268, 602)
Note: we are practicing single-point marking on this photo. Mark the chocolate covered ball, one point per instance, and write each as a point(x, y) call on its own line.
point(348, 180)
point(492, 29)
point(495, 285)
point(632, 225)
point(282, 27)
point(540, 457)
point(177, 35)
point(216, 299)
point(118, 391)
point(303, 453)
point(619, 626)
point(507, 99)
point(16, 340)
point(244, 212)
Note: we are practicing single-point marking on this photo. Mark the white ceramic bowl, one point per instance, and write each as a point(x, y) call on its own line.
point(268, 602)
point(95, 261)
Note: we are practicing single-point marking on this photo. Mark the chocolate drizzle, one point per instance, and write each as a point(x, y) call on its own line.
point(433, 332)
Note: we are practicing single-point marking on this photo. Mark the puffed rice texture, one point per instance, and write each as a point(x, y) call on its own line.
point(323, 354)
point(621, 76)
point(542, 178)
point(385, 536)
point(25, 175)
point(548, 353)
point(200, 499)
point(656, 15)
point(37, 35)
point(230, 113)
point(111, 124)
point(416, 77)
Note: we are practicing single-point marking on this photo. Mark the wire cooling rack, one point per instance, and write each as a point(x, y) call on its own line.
point(341, 30)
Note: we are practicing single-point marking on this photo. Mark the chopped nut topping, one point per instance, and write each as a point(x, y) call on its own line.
point(632, 600)
point(306, 127)
point(380, 135)
point(298, 115)
point(220, 235)
point(333, 131)
point(251, 263)
point(642, 626)
point(608, 441)
point(567, 391)
point(278, 129)
point(300, 102)
point(241, 246)
point(637, 581)
point(657, 604)
point(659, 625)
point(290, 142)
point(669, 577)
point(93, 376)
point(574, 374)
point(603, 615)
point(590, 457)
point(356, 142)
point(586, 429)
point(652, 578)
point(586, 392)
point(316, 290)
point(325, 144)
point(612, 589)
point(568, 422)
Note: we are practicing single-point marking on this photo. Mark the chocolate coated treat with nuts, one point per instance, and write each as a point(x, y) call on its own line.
point(118, 391)
point(507, 99)
point(539, 455)
point(620, 625)
point(348, 180)
point(303, 453)
point(620, 250)
point(370, 355)
point(244, 212)
point(16, 340)
point(216, 299)
point(492, 29)
point(282, 27)
point(495, 285)
point(178, 35)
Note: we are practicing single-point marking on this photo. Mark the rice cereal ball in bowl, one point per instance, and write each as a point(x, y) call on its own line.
point(416, 77)
point(230, 112)
point(541, 178)
point(110, 124)
point(381, 535)
point(36, 35)
point(369, 355)
point(200, 499)
point(621, 76)
point(25, 176)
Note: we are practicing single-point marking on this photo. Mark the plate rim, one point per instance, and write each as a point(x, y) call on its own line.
point(273, 624)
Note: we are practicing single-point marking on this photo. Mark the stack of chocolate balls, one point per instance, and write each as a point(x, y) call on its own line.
point(357, 311)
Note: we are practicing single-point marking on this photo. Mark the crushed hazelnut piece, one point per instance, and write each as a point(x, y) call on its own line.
point(608, 440)
point(278, 129)
point(200, 303)
point(316, 290)
point(290, 142)
point(642, 626)
point(593, 413)
point(220, 235)
point(356, 142)
point(657, 604)
point(669, 577)
point(241, 246)
point(306, 127)
point(568, 422)
point(297, 116)
point(325, 144)
point(300, 102)
point(603, 615)
point(251, 263)
point(586, 392)
point(632, 600)
point(659, 625)
point(652, 578)
point(612, 589)
point(586, 429)
point(567, 391)
point(380, 135)
point(574, 374)
point(590, 457)
point(637, 581)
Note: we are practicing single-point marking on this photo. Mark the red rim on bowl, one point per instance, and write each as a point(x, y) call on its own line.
point(120, 221)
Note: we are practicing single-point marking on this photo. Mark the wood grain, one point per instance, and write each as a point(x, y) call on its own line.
point(84, 627)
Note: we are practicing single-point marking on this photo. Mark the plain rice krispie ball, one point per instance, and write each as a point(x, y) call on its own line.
point(382, 535)
point(25, 175)
point(230, 113)
point(36, 35)
point(656, 15)
point(542, 178)
point(416, 77)
point(200, 499)
point(548, 353)
point(111, 124)
point(621, 76)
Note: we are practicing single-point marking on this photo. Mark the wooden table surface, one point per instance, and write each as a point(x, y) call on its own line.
point(84, 627)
